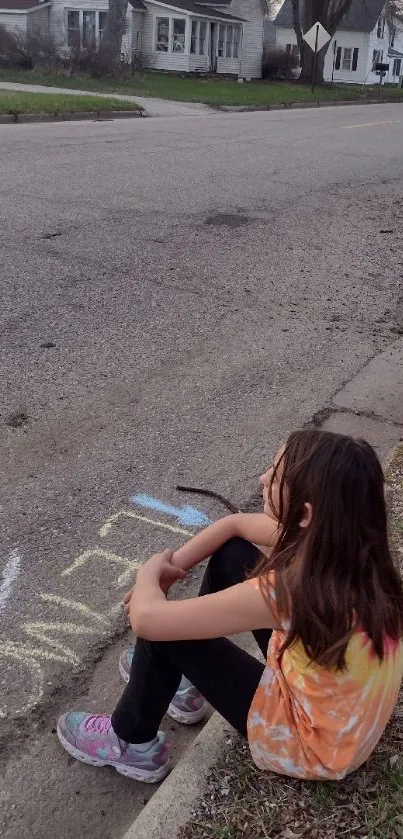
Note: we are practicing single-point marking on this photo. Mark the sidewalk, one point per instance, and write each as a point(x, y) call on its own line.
point(153, 107)
point(369, 406)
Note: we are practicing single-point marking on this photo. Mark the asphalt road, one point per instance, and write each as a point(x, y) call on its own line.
point(176, 295)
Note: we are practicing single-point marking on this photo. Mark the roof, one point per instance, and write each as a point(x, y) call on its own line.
point(361, 17)
point(19, 5)
point(394, 53)
point(199, 9)
point(137, 4)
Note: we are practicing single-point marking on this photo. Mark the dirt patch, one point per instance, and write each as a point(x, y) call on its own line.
point(19, 419)
point(227, 220)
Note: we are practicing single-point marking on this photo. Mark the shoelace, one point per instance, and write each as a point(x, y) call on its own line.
point(98, 724)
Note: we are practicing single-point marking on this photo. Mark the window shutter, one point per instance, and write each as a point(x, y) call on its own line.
point(355, 58)
point(338, 59)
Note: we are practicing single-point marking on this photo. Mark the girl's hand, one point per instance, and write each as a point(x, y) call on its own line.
point(126, 600)
point(160, 568)
point(166, 573)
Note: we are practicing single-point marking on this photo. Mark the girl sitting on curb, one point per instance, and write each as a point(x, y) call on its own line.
point(325, 607)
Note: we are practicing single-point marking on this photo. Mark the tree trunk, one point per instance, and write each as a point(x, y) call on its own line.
point(308, 12)
point(111, 43)
point(307, 64)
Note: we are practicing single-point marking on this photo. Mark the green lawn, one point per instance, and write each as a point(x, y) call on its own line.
point(210, 91)
point(51, 103)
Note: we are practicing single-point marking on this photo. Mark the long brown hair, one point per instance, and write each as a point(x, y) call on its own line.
point(336, 574)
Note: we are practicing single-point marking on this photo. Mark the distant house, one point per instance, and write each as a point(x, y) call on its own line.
point(366, 36)
point(25, 16)
point(182, 35)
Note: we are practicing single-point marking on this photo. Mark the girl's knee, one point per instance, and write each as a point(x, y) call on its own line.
point(234, 558)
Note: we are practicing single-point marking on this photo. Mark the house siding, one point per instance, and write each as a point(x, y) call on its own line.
point(152, 58)
point(58, 20)
point(38, 21)
point(352, 40)
point(198, 63)
point(366, 42)
point(382, 44)
point(14, 22)
point(229, 66)
point(250, 65)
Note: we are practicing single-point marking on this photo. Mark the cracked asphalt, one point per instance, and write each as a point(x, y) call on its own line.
point(176, 295)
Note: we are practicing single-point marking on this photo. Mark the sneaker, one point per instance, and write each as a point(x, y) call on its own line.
point(91, 739)
point(188, 705)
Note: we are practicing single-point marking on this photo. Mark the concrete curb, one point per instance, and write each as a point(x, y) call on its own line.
point(72, 116)
point(170, 808)
point(286, 106)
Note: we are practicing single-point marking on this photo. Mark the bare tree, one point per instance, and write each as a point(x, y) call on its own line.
point(111, 44)
point(307, 12)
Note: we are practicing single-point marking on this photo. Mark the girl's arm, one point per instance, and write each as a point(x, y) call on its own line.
point(254, 527)
point(236, 609)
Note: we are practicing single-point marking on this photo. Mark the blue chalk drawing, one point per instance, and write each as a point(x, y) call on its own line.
point(187, 515)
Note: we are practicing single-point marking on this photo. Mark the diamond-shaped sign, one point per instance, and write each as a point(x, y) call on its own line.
point(317, 37)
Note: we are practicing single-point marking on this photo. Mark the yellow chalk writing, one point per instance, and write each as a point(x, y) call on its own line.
point(105, 529)
point(24, 656)
point(130, 565)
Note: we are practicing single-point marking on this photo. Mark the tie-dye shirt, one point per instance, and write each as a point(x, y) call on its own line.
point(310, 722)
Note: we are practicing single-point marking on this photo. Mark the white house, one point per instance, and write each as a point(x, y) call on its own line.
point(25, 16)
point(179, 35)
point(366, 36)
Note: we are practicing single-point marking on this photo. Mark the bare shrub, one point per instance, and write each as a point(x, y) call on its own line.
point(279, 63)
point(27, 50)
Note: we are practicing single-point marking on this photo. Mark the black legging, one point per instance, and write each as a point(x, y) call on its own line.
point(226, 675)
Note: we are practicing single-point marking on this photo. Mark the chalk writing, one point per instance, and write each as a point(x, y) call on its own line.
point(130, 565)
point(105, 529)
point(46, 638)
point(10, 574)
point(185, 515)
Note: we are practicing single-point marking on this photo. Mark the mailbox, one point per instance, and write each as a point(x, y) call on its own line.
point(381, 68)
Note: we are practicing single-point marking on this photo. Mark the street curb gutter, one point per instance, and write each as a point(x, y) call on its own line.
point(170, 808)
point(72, 116)
point(324, 103)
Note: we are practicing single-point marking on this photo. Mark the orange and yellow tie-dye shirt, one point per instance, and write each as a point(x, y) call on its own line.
point(319, 724)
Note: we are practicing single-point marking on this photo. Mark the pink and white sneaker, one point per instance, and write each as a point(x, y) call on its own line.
point(188, 705)
point(91, 739)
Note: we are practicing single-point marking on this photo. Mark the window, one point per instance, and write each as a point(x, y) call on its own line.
point(228, 45)
point(237, 38)
point(392, 36)
point(202, 36)
point(101, 23)
point(178, 35)
point(381, 27)
point(162, 40)
point(288, 49)
point(221, 38)
point(73, 29)
point(347, 58)
point(376, 58)
point(193, 38)
point(397, 65)
point(89, 39)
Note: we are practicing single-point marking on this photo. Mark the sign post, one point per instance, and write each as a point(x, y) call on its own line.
point(316, 38)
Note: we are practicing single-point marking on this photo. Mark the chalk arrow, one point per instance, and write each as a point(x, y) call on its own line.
point(187, 515)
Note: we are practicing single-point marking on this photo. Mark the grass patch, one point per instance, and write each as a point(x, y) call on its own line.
point(210, 91)
point(242, 802)
point(52, 103)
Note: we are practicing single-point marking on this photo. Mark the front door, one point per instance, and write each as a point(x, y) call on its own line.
point(213, 48)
